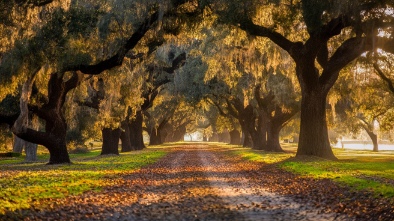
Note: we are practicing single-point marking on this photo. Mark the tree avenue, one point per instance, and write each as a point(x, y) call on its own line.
point(69, 73)
point(175, 66)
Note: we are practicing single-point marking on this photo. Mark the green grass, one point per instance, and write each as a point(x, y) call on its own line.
point(22, 183)
point(360, 170)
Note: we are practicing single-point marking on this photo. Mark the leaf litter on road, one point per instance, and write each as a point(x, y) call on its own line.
point(197, 182)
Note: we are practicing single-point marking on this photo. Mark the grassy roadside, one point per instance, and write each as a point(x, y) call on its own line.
point(24, 184)
point(360, 170)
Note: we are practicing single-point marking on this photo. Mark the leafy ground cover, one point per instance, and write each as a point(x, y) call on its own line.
point(200, 180)
point(25, 184)
point(359, 170)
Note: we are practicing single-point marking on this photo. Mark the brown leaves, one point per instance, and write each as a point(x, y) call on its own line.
point(201, 183)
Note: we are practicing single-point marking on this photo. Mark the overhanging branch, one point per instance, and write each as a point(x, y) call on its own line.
point(384, 77)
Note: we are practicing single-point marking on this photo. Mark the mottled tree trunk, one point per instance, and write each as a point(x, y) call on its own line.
point(31, 152)
point(30, 149)
point(110, 141)
point(18, 145)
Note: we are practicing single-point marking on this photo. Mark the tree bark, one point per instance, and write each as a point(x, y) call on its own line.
point(235, 137)
point(273, 143)
point(247, 139)
point(220, 137)
point(125, 137)
point(54, 136)
point(262, 129)
point(155, 137)
point(313, 139)
point(215, 137)
point(374, 139)
point(254, 130)
point(31, 152)
point(110, 141)
point(58, 153)
point(30, 149)
point(136, 136)
point(257, 141)
point(18, 145)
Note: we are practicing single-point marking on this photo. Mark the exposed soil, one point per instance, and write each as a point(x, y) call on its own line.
point(197, 182)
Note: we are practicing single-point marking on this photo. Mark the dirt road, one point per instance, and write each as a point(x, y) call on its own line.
point(194, 182)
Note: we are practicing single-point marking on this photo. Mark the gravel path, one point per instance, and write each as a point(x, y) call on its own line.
point(194, 182)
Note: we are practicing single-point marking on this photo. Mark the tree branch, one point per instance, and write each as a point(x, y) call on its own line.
point(176, 63)
point(252, 29)
point(231, 110)
point(384, 77)
point(117, 59)
point(74, 81)
point(347, 52)
point(263, 102)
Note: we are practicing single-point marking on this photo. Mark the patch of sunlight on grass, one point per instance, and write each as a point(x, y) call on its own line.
point(22, 184)
point(255, 155)
point(358, 169)
point(260, 156)
point(375, 174)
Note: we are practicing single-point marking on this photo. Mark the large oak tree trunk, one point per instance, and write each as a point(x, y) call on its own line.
point(257, 140)
point(58, 153)
point(215, 137)
point(273, 143)
point(125, 137)
point(110, 141)
point(246, 139)
point(235, 137)
point(179, 134)
point(262, 129)
point(221, 137)
point(57, 127)
point(136, 136)
point(155, 137)
point(54, 137)
point(313, 139)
